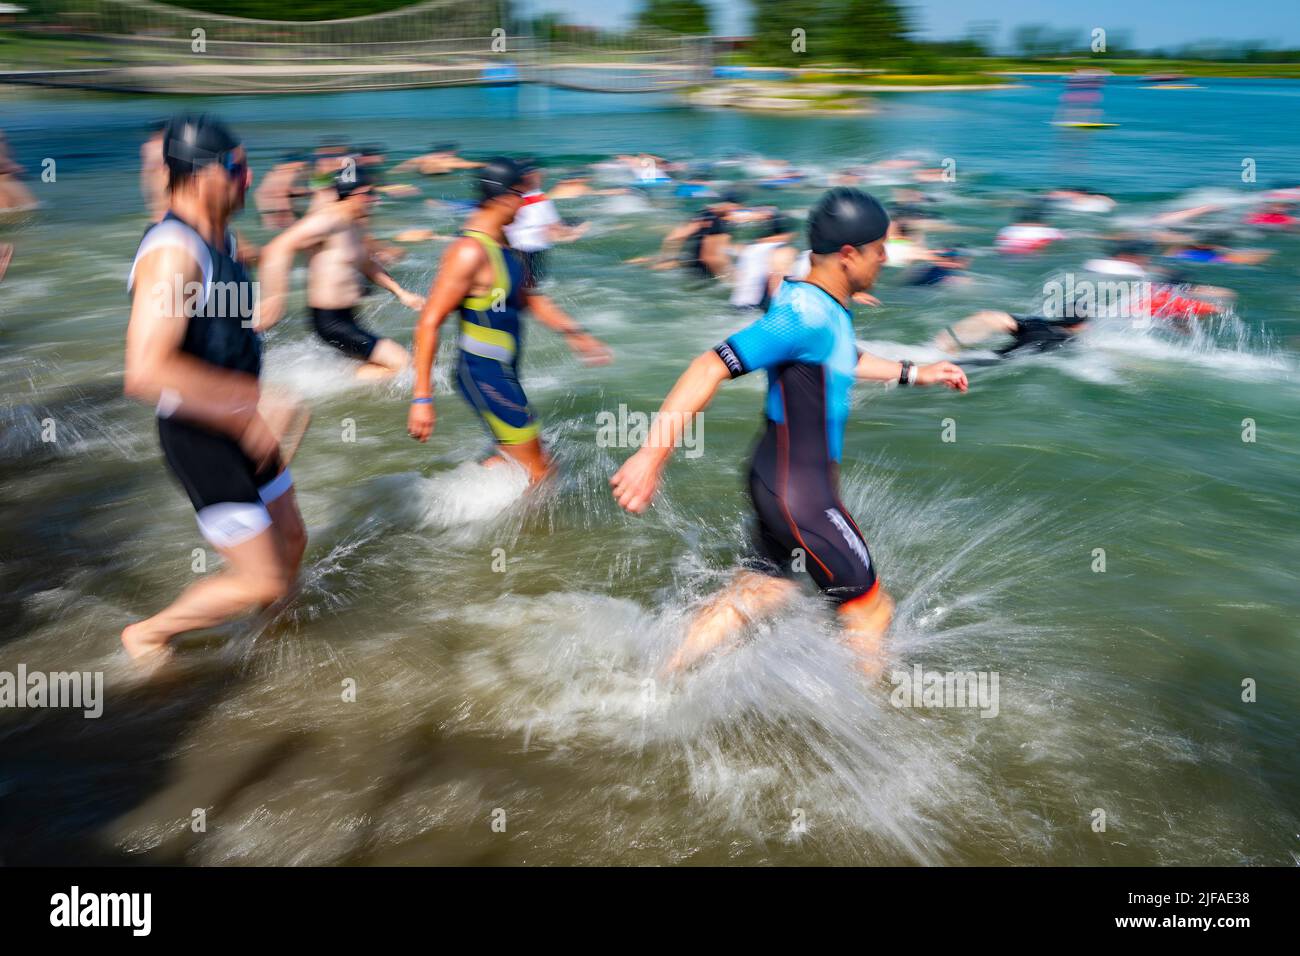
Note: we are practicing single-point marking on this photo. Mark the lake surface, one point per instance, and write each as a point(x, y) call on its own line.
point(504, 651)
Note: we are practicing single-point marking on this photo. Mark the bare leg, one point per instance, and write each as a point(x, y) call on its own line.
point(750, 595)
point(258, 574)
point(6, 253)
point(286, 519)
point(388, 359)
point(287, 417)
point(866, 621)
point(530, 455)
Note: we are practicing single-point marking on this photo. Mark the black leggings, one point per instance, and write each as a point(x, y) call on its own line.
point(812, 532)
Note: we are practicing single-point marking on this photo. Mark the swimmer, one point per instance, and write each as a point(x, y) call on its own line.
point(339, 259)
point(487, 281)
point(1274, 215)
point(1213, 248)
point(198, 363)
point(1081, 200)
point(905, 245)
point(537, 226)
point(438, 161)
point(762, 265)
point(153, 173)
point(806, 344)
point(947, 267)
point(1029, 233)
point(577, 186)
point(1029, 333)
point(702, 245)
point(280, 187)
point(1171, 296)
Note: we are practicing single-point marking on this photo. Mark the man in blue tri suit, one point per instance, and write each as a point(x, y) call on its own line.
point(805, 343)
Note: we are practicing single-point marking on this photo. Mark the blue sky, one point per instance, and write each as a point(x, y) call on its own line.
point(1149, 23)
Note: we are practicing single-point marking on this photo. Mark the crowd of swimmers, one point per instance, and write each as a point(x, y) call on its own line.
point(229, 441)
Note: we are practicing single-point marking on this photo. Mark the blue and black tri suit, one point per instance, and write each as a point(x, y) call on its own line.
point(805, 343)
point(491, 337)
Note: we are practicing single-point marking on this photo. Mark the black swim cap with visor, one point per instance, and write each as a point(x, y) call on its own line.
point(499, 176)
point(191, 142)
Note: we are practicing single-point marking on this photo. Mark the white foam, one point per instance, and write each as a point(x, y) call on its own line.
point(471, 494)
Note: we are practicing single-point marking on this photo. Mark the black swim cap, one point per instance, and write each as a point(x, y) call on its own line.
point(191, 142)
point(846, 217)
point(350, 177)
point(499, 176)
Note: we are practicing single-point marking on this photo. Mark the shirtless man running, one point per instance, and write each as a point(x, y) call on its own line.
point(335, 233)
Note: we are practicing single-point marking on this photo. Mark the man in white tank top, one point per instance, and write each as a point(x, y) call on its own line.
point(762, 264)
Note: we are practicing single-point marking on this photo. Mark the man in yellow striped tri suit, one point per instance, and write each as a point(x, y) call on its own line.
point(483, 278)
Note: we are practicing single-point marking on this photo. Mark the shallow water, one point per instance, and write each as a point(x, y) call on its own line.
point(504, 646)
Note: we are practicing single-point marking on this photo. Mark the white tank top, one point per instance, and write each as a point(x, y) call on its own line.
point(749, 284)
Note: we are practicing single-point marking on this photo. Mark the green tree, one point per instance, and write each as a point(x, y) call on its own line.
point(676, 16)
point(857, 32)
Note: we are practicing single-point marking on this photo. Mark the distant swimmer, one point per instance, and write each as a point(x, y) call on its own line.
point(194, 351)
point(763, 263)
point(488, 283)
point(340, 260)
point(1081, 200)
point(1161, 293)
point(438, 161)
point(1029, 333)
point(1030, 233)
point(946, 267)
point(702, 245)
point(905, 245)
point(1213, 248)
point(538, 225)
point(1274, 215)
point(284, 183)
point(576, 186)
point(153, 173)
point(805, 342)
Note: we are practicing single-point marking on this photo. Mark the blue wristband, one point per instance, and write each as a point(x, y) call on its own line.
point(422, 401)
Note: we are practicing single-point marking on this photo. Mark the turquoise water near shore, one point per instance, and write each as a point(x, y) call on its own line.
point(530, 690)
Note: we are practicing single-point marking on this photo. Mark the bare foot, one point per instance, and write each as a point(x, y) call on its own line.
point(144, 645)
point(865, 632)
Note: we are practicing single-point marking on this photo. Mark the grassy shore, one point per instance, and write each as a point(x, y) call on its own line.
point(974, 71)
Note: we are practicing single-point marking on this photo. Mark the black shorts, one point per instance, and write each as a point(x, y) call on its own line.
point(817, 536)
point(228, 492)
point(339, 328)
